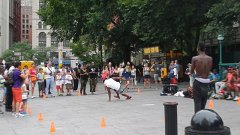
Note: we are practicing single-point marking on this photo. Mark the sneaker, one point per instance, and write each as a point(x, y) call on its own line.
point(229, 97)
point(236, 98)
point(52, 95)
point(32, 97)
point(20, 115)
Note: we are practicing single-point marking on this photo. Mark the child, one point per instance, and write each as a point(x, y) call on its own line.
point(23, 106)
point(68, 83)
point(40, 78)
point(59, 83)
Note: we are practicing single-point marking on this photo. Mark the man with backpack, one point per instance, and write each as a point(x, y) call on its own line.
point(8, 84)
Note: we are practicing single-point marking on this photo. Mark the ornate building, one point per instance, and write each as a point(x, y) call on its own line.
point(44, 37)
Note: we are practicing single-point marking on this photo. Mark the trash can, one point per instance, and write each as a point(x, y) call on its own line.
point(207, 122)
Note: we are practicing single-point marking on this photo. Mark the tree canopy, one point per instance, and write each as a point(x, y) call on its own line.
point(23, 51)
point(124, 26)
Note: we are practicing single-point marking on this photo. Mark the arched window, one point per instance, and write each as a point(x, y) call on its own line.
point(44, 25)
point(42, 39)
point(54, 40)
point(40, 25)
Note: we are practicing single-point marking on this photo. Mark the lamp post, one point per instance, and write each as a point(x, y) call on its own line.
point(220, 39)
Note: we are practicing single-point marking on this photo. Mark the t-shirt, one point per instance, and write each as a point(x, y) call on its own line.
point(157, 69)
point(93, 72)
point(58, 80)
point(68, 79)
point(50, 71)
point(112, 84)
point(40, 77)
point(83, 74)
point(32, 72)
point(17, 80)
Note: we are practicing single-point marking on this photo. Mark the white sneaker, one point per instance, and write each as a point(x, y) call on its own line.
point(19, 115)
point(236, 98)
point(32, 97)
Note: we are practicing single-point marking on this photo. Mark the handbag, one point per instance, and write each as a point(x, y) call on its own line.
point(24, 96)
point(33, 78)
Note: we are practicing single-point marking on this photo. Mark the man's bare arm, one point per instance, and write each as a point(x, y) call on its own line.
point(192, 65)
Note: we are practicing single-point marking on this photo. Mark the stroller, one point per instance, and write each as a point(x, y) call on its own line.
point(169, 86)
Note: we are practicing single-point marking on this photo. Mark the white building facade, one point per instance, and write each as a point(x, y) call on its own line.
point(44, 37)
point(4, 25)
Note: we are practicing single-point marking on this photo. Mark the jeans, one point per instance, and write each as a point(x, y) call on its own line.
point(200, 95)
point(83, 85)
point(49, 84)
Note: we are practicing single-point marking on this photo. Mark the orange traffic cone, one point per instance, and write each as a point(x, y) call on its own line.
point(103, 124)
point(138, 90)
point(52, 127)
point(211, 105)
point(29, 111)
point(40, 116)
point(238, 102)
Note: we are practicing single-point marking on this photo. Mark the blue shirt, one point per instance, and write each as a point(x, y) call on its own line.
point(17, 80)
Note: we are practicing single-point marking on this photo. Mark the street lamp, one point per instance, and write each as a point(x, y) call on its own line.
point(220, 39)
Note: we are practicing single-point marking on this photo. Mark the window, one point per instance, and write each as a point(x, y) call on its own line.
point(23, 16)
point(27, 16)
point(23, 20)
point(23, 31)
point(42, 4)
point(42, 39)
point(23, 36)
point(66, 43)
point(54, 40)
point(30, 26)
point(27, 21)
point(26, 31)
point(27, 36)
point(27, 26)
point(23, 26)
point(44, 26)
point(40, 25)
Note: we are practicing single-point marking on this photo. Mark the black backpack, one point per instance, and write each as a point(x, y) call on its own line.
point(10, 81)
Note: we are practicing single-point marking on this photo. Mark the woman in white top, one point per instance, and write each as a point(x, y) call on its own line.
point(133, 76)
point(49, 72)
point(146, 75)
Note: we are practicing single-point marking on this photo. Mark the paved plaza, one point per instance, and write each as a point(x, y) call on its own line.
point(81, 115)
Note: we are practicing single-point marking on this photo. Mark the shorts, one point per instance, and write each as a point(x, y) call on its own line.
point(58, 87)
point(147, 76)
point(133, 76)
point(69, 86)
point(41, 86)
point(17, 94)
point(157, 77)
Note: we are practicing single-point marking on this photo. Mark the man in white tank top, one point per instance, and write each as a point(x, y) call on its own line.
point(116, 86)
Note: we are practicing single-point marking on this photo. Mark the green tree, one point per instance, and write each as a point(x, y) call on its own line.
point(22, 51)
point(126, 25)
point(223, 16)
point(85, 49)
